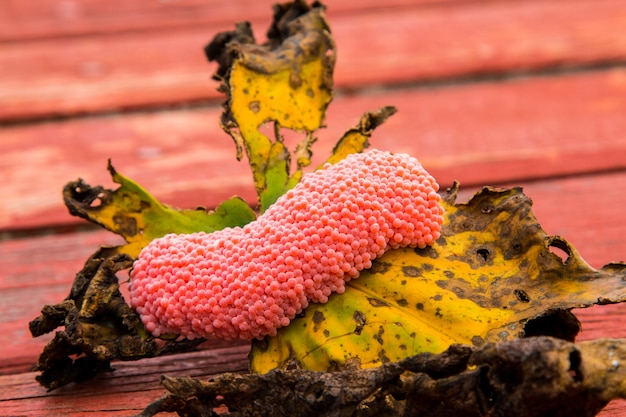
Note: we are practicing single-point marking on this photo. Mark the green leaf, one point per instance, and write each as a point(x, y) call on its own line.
point(131, 212)
point(276, 175)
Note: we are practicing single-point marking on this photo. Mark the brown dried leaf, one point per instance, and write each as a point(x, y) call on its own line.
point(532, 377)
point(98, 327)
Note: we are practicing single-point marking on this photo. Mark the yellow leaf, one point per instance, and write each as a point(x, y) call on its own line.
point(355, 140)
point(492, 276)
point(287, 82)
point(131, 212)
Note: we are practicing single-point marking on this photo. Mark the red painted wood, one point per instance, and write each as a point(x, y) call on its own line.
point(125, 392)
point(478, 134)
point(123, 70)
point(34, 19)
point(35, 272)
point(615, 408)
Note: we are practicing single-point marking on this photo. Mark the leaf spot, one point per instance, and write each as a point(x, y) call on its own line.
point(442, 284)
point(379, 267)
point(459, 292)
point(379, 336)
point(428, 251)
point(254, 106)
point(411, 271)
point(477, 341)
point(318, 318)
point(125, 224)
point(376, 302)
point(359, 317)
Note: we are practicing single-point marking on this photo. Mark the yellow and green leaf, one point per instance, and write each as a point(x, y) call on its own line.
point(133, 213)
point(491, 273)
point(286, 82)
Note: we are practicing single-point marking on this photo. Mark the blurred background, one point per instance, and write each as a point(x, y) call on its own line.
point(495, 92)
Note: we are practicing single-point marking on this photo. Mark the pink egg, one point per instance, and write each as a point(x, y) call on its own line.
point(248, 282)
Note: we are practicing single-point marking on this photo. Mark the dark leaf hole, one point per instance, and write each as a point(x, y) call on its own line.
point(483, 253)
point(97, 201)
point(574, 366)
point(560, 248)
point(489, 394)
point(556, 323)
point(487, 209)
point(522, 295)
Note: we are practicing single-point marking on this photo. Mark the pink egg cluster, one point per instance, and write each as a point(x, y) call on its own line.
point(248, 282)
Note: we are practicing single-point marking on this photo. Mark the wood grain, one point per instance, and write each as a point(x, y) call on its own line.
point(37, 19)
point(478, 134)
point(124, 392)
point(128, 69)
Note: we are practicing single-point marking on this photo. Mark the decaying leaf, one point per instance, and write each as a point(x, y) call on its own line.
point(131, 212)
point(532, 377)
point(491, 277)
point(287, 82)
point(99, 325)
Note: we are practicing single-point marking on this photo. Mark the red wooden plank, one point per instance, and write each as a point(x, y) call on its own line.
point(395, 45)
point(615, 408)
point(33, 273)
point(34, 19)
point(124, 392)
point(476, 133)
